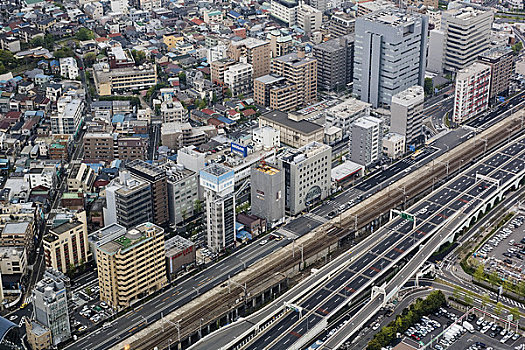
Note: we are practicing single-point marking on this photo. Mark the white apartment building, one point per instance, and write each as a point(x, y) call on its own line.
point(266, 138)
point(41, 176)
point(239, 78)
point(407, 114)
point(472, 91)
point(393, 145)
point(366, 141)
point(120, 6)
point(173, 111)
point(68, 67)
point(69, 116)
point(215, 53)
point(284, 10)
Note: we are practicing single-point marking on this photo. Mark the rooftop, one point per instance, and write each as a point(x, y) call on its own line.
point(124, 240)
point(176, 244)
point(267, 169)
point(303, 126)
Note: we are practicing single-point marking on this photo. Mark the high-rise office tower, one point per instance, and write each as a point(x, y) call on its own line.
point(390, 54)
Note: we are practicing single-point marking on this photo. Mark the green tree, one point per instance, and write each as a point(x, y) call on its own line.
point(228, 93)
point(479, 274)
point(498, 309)
point(517, 47)
point(65, 51)
point(37, 41)
point(485, 300)
point(49, 41)
point(197, 205)
point(428, 87)
point(494, 278)
point(515, 312)
point(182, 78)
point(521, 288)
point(138, 56)
point(84, 34)
point(89, 59)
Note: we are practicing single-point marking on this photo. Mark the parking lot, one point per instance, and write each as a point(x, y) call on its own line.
point(504, 252)
point(88, 310)
point(444, 330)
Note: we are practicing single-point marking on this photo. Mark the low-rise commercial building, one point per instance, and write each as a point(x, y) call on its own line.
point(180, 253)
point(13, 261)
point(109, 81)
point(293, 132)
point(345, 113)
point(393, 145)
point(267, 192)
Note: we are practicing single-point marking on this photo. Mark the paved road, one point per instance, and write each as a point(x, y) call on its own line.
point(176, 297)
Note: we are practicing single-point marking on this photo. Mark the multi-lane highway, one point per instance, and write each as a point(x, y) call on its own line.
point(461, 194)
point(175, 297)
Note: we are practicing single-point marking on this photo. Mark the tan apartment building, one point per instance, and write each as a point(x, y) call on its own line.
point(131, 264)
point(301, 71)
point(66, 245)
point(109, 81)
point(275, 92)
point(218, 68)
point(18, 234)
point(293, 132)
point(500, 60)
point(81, 177)
point(256, 51)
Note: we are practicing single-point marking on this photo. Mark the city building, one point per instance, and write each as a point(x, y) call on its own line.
point(466, 29)
point(366, 7)
point(393, 145)
point(131, 264)
point(280, 44)
point(500, 61)
point(66, 245)
point(128, 201)
point(18, 234)
point(50, 305)
point(390, 54)
point(345, 113)
point(293, 132)
point(173, 111)
point(218, 67)
point(69, 116)
point(239, 79)
point(183, 192)
point(176, 135)
point(366, 141)
point(267, 192)
point(406, 113)
point(68, 68)
point(41, 176)
point(256, 51)
point(309, 18)
point(262, 87)
point(341, 23)
point(157, 179)
point(81, 177)
point(38, 336)
point(285, 11)
point(218, 183)
point(265, 138)
point(111, 81)
point(307, 175)
point(191, 158)
point(301, 71)
point(180, 253)
point(13, 261)
point(335, 59)
point(472, 91)
point(107, 147)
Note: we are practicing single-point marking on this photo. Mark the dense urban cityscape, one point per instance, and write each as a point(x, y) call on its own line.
point(248, 175)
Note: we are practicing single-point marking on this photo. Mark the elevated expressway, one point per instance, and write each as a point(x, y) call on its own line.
point(438, 217)
point(183, 327)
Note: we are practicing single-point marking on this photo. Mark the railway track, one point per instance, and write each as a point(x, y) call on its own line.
point(222, 302)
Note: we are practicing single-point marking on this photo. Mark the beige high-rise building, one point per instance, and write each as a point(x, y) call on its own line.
point(66, 245)
point(257, 53)
point(301, 71)
point(131, 264)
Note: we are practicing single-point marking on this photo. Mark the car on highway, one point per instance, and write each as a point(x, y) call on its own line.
point(263, 242)
point(13, 317)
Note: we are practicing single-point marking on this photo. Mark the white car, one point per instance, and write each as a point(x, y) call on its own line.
point(263, 242)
